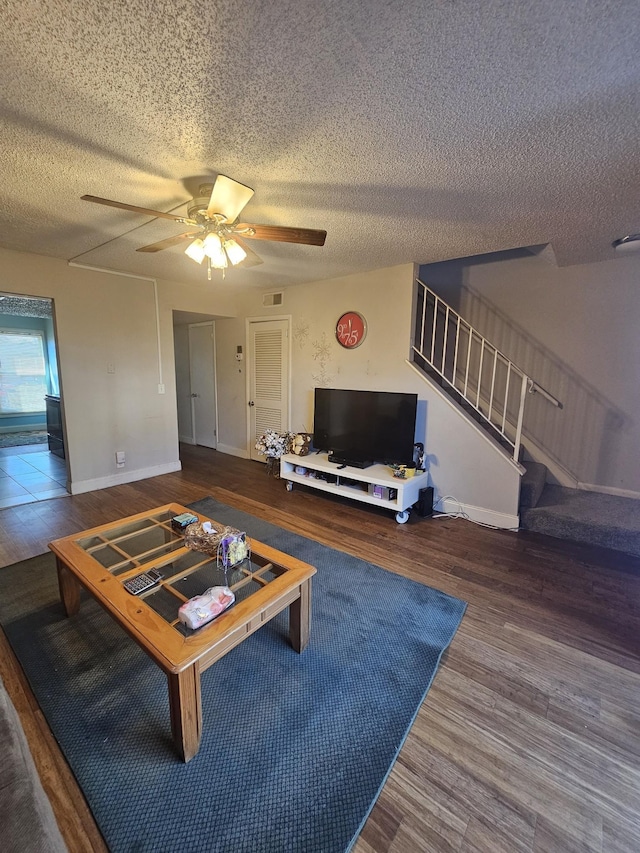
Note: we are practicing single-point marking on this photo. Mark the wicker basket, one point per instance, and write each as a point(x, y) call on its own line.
point(228, 545)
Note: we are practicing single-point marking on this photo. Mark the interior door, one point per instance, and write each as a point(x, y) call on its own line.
point(203, 384)
point(269, 372)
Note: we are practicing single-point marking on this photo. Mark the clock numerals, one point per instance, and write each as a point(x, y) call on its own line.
point(351, 329)
point(348, 336)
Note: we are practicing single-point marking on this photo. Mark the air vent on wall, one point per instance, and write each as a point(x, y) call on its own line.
point(269, 300)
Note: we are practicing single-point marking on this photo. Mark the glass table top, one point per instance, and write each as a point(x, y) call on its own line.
point(131, 547)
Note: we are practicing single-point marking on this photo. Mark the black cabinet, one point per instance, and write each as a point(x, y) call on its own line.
point(55, 434)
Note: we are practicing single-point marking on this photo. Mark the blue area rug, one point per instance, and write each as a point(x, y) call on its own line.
point(19, 439)
point(295, 748)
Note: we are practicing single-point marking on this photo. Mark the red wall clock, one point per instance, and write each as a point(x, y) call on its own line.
point(351, 329)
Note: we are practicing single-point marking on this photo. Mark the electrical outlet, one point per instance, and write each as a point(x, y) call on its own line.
point(111, 368)
point(121, 458)
point(160, 388)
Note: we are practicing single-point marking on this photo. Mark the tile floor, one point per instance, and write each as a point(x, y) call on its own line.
point(30, 473)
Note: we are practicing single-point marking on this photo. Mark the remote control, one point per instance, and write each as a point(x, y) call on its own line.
point(142, 582)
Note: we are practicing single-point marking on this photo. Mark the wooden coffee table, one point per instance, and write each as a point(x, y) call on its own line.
point(264, 584)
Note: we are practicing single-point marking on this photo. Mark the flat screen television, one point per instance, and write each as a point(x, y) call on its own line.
point(362, 427)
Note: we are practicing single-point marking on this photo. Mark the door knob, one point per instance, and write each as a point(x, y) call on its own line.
point(195, 395)
point(251, 403)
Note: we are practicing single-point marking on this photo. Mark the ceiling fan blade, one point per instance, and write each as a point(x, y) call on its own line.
point(132, 207)
point(228, 198)
point(169, 241)
point(282, 234)
point(252, 259)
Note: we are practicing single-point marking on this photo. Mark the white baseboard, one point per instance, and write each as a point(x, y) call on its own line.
point(503, 520)
point(242, 452)
point(186, 439)
point(80, 486)
point(609, 490)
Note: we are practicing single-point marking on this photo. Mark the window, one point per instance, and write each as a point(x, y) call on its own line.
point(23, 383)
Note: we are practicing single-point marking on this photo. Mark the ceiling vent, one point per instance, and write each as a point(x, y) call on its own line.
point(270, 300)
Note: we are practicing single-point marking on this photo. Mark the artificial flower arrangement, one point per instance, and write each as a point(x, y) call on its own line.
point(274, 444)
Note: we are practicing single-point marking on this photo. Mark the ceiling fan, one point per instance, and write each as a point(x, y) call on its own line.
point(218, 236)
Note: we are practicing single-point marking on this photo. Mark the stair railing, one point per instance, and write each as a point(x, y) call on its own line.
point(474, 372)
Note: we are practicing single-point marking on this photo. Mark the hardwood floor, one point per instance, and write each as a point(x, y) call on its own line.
point(529, 739)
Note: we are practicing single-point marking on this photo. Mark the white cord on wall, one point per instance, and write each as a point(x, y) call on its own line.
point(459, 513)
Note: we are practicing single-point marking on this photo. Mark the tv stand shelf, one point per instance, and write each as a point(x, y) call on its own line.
point(354, 482)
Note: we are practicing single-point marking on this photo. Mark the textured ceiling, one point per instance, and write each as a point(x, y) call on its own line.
point(412, 131)
point(19, 307)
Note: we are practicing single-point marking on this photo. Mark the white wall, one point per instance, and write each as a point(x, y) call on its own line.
point(101, 320)
point(575, 331)
point(105, 319)
point(232, 390)
point(462, 463)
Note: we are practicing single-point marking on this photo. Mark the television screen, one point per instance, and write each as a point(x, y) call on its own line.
point(365, 426)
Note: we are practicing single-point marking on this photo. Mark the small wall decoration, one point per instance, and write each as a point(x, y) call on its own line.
point(322, 356)
point(301, 332)
point(351, 329)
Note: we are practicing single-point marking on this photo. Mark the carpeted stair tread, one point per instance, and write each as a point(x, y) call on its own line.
point(532, 484)
point(590, 517)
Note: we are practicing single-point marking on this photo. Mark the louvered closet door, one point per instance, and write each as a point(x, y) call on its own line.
point(269, 379)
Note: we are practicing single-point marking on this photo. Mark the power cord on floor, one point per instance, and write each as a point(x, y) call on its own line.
point(460, 513)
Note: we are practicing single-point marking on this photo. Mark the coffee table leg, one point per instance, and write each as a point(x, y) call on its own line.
point(185, 705)
point(69, 589)
point(300, 618)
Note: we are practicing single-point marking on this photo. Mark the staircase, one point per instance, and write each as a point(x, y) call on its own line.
point(492, 391)
point(489, 386)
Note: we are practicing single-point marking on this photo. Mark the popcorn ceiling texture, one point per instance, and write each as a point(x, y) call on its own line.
point(412, 130)
point(25, 307)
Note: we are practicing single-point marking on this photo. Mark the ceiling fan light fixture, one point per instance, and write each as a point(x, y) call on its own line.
point(235, 252)
point(214, 251)
point(215, 214)
point(196, 251)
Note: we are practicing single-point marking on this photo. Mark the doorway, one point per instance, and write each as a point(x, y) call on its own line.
point(31, 469)
point(195, 364)
point(268, 379)
point(202, 382)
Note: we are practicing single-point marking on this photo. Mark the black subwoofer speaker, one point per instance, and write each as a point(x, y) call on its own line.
point(424, 506)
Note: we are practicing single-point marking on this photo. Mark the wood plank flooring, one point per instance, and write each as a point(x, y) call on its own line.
point(529, 739)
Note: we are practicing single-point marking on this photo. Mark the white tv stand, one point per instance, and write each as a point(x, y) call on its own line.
point(354, 482)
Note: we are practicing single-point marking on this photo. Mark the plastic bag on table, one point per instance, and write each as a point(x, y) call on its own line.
point(203, 608)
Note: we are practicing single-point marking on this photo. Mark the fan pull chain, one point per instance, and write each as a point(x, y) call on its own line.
point(209, 268)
